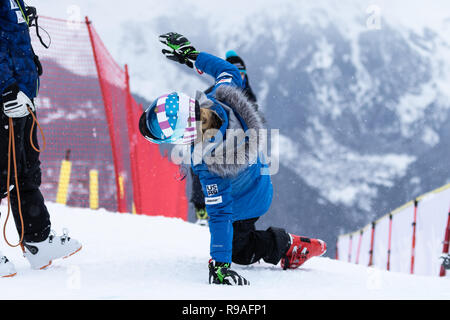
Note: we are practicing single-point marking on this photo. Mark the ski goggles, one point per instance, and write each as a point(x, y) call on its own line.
point(174, 115)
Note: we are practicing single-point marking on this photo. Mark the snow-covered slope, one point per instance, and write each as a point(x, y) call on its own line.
point(126, 256)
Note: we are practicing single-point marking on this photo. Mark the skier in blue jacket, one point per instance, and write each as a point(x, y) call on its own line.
point(19, 83)
point(197, 197)
point(233, 175)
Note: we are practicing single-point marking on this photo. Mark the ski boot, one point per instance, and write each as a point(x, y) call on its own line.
point(41, 254)
point(220, 273)
point(202, 216)
point(302, 249)
point(6, 267)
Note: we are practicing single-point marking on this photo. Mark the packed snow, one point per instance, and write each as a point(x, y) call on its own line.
point(126, 256)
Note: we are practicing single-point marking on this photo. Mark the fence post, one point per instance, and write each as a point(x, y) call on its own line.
point(64, 179)
point(372, 237)
point(388, 267)
point(446, 243)
point(121, 203)
point(93, 189)
point(337, 249)
point(359, 246)
point(350, 248)
point(414, 237)
point(132, 137)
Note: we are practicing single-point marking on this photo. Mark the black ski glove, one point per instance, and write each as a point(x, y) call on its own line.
point(220, 273)
point(181, 49)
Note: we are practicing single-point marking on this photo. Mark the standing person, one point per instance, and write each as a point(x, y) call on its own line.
point(197, 198)
point(237, 193)
point(19, 85)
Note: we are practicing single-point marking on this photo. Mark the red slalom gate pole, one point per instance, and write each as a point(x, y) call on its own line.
point(337, 248)
point(413, 253)
point(132, 132)
point(359, 246)
point(446, 243)
point(372, 238)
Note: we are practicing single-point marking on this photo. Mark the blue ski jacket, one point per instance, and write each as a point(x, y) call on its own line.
point(242, 189)
point(17, 64)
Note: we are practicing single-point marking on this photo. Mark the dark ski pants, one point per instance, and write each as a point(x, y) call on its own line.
point(35, 215)
point(251, 245)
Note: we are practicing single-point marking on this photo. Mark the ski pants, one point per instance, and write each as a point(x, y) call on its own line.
point(251, 245)
point(34, 212)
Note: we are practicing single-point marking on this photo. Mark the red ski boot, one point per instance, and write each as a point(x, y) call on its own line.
point(302, 249)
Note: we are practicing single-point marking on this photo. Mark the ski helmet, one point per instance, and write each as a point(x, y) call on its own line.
point(233, 58)
point(170, 118)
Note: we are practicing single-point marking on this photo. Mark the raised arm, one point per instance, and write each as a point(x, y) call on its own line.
point(182, 51)
point(221, 70)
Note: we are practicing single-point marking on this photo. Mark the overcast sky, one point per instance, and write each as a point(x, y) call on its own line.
point(410, 12)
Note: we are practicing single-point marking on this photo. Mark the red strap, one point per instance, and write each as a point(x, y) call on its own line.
point(199, 71)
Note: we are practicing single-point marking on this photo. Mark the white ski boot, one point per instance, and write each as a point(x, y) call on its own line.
point(6, 267)
point(41, 254)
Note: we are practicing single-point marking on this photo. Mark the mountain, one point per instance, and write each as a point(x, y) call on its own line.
point(359, 93)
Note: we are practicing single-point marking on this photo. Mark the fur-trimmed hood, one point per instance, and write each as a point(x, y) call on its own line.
point(240, 131)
